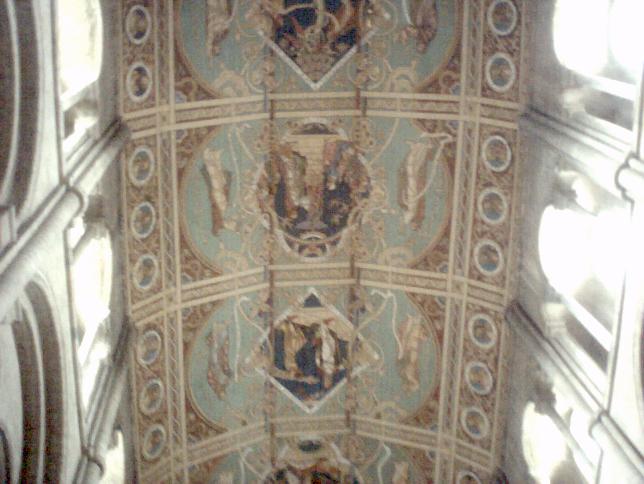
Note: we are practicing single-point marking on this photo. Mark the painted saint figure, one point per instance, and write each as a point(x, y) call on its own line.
point(326, 354)
point(137, 23)
point(306, 354)
point(313, 184)
point(294, 339)
point(139, 81)
point(314, 34)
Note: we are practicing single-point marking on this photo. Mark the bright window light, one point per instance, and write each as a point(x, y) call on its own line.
point(543, 445)
point(115, 462)
point(584, 194)
point(579, 429)
point(90, 370)
point(76, 231)
point(80, 43)
point(92, 280)
point(563, 248)
point(574, 246)
point(581, 34)
point(627, 35)
point(609, 260)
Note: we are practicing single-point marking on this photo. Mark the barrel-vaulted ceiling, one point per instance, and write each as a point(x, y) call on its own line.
point(319, 206)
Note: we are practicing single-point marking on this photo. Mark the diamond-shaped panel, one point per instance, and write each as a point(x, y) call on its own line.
point(310, 354)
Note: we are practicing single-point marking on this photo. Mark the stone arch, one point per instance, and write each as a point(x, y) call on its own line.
point(40, 358)
point(5, 461)
point(20, 91)
point(5, 464)
point(52, 357)
point(9, 85)
point(11, 427)
point(31, 381)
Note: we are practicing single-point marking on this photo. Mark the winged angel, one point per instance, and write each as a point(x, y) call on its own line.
point(219, 15)
point(414, 178)
point(218, 180)
point(423, 17)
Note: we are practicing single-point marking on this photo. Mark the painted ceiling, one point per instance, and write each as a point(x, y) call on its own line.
point(319, 200)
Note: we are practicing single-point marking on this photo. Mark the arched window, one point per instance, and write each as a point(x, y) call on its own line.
point(607, 41)
point(579, 239)
point(80, 44)
point(581, 45)
point(80, 51)
point(575, 246)
point(92, 287)
point(92, 278)
point(600, 41)
point(626, 36)
point(563, 248)
point(543, 445)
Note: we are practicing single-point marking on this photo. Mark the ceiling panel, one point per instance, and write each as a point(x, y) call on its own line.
point(320, 218)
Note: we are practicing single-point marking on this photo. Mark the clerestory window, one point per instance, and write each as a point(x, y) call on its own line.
point(79, 27)
point(600, 41)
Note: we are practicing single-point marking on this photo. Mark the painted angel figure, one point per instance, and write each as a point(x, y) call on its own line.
point(401, 473)
point(218, 180)
point(219, 15)
point(409, 335)
point(414, 179)
point(423, 16)
point(219, 371)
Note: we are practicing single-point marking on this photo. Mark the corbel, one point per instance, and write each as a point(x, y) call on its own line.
point(629, 179)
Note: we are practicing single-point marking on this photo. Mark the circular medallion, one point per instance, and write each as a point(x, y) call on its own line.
point(148, 347)
point(151, 396)
point(500, 72)
point(502, 17)
point(467, 477)
point(142, 220)
point(141, 166)
point(145, 272)
point(479, 377)
point(313, 187)
point(497, 153)
point(492, 206)
point(482, 331)
point(137, 24)
point(488, 257)
point(154, 442)
point(138, 82)
point(475, 423)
